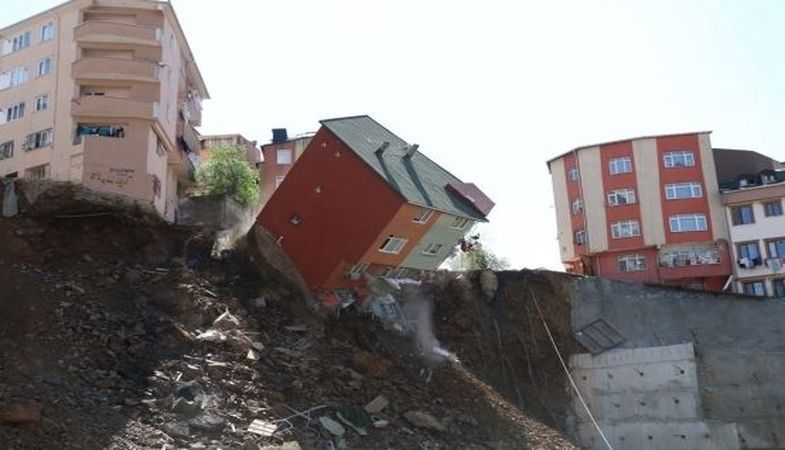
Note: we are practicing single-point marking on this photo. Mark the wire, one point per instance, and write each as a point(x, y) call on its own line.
point(567, 371)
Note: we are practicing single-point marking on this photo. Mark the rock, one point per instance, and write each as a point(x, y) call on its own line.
point(207, 423)
point(370, 364)
point(257, 345)
point(175, 430)
point(381, 423)
point(20, 413)
point(354, 417)
point(377, 404)
point(252, 355)
point(183, 406)
point(292, 445)
point(422, 419)
point(335, 428)
point(226, 321)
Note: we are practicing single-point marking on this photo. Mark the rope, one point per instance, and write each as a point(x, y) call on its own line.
point(567, 371)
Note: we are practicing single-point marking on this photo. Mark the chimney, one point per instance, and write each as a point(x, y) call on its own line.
point(279, 135)
point(411, 150)
point(382, 148)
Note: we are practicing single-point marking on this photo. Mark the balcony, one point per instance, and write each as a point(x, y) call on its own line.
point(696, 262)
point(114, 107)
point(115, 69)
point(97, 32)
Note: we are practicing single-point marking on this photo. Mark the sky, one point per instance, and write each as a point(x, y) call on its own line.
point(491, 90)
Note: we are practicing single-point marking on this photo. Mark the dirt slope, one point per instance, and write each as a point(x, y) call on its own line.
point(102, 327)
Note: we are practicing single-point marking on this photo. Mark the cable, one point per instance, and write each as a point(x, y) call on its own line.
point(567, 371)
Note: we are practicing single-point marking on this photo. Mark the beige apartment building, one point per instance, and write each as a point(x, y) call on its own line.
point(105, 93)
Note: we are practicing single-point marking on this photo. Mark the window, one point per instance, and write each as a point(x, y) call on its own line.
point(778, 287)
point(621, 165)
point(384, 271)
point(621, 197)
point(683, 190)
point(742, 215)
point(776, 248)
point(15, 112)
point(393, 244)
point(772, 208)
point(279, 180)
point(625, 229)
point(6, 149)
point(573, 174)
point(431, 249)
point(47, 32)
point(688, 222)
point(632, 263)
point(577, 206)
point(37, 172)
point(357, 270)
point(42, 102)
point(580, 237)
point(459, 223)
point(44, 66)
point(749, 254)
point(284, 156)
point(423, 215)
point(756, 288)
point(20, 42)
point(38, 140)
point(681, 158)
point(18, 76)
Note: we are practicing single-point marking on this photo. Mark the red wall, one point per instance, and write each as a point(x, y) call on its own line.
point(338, 224)
point(271, 168)
point(607, 266)
point(678, 175)
point(620, 181)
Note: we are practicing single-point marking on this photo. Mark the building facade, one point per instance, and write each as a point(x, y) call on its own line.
point(754, 213)
point(278, 158)
point(105, 93)
point(645, 209)
point(362, 200)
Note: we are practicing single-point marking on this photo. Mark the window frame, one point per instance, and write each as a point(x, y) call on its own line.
point(736, 219)
point(613, 197)
point(283, 151)
point(774, 283)
point(577, 206)
point(768, 244)
point(278, 180)
point(638, 260)
point(44, 66)
point(578, 240)
point(762, 283)
point(672, 189)
point(393, 244)
point(573, 174)
point(613, 164)
point(748, 244)
point(669, 159)
point(47, 31)
point(357, 270)
point(698, 217)
point(44, 168)
point(423, 215)
point(766, 205)
point(39, 100)
point(20, 41)
point(37, 140)
point(432, 249)
point(459, 223)
point(620, 225)
point(15, 112)
point(4, 152)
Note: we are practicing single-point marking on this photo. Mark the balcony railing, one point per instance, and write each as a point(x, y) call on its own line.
point(694, 262)
point(106, 107)
point(115, 69)
point(117, 33)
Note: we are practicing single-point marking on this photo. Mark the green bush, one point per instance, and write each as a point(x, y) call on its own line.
point(228, 173)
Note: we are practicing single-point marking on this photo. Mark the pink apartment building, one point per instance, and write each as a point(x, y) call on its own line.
point(105, 93)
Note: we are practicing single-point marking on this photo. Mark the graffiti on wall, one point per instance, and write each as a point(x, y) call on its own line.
point(113, 176)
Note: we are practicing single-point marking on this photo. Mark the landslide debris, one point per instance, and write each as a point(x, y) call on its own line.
point(119, 331)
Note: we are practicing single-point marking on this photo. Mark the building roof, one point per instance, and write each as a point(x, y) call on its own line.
point(623, 140)
point(416, 178)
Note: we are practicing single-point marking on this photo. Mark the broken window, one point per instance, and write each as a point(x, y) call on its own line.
point(6, 149)
point(38, 140)
point(393, 244)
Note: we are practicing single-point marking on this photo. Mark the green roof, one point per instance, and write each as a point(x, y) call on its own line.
point(418, 179)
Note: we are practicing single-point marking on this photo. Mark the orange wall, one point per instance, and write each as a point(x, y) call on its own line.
point(683, 174)
point(577, 221)
point(620, 181)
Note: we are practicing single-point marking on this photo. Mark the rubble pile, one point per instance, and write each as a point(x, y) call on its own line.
point(123, 334)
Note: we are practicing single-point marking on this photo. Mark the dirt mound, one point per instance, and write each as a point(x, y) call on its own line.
point(123, 333)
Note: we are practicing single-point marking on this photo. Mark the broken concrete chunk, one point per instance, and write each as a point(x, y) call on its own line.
point(207, 423)
point(422, 419)
point(292, 445)
point(262, 427)
point(376, 405)
point(183, 406)
point(335, 428)
point(252, 355)
point(370, 364)
point(226, 321)
point(355, 418)
point(257, 345)
point(20, 413)
point(211, 336)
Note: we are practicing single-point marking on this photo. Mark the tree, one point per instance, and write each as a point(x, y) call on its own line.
point(481, 258)
point(228, 173)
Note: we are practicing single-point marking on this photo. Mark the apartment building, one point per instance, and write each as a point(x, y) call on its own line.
point(362, 200)
point(105, 93)
point(645, 209)
point(278, 158)
point(754, 213)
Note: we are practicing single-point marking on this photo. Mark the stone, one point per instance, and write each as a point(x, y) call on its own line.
point(208, 423)
point(356, 418)
point(291, 445)
point(370, 364)
point(376, 405)
point(422, 419)
point(335, 428)
point(252, 355)
point(226, 321)
point(174, 429)
point(183, 406)
point(20, 413)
